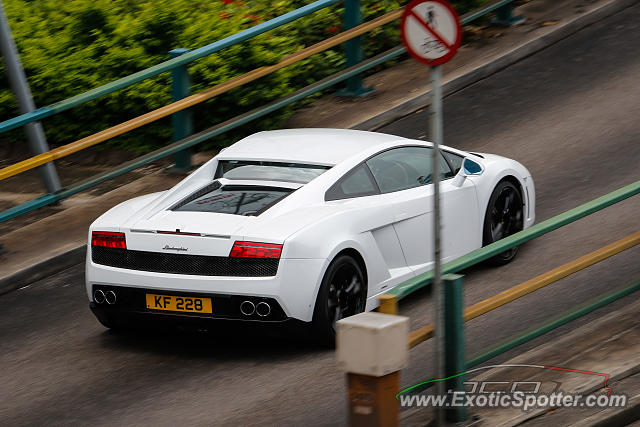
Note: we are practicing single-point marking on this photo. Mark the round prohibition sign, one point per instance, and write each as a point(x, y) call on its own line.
point(431, 31)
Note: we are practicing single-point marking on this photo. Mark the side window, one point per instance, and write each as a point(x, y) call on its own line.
point(356, 183)
point(401, 168)
point(455, 161)
point(471, 167)
point(405, 167)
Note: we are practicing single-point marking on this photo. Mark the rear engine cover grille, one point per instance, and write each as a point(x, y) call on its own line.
point(199, 265)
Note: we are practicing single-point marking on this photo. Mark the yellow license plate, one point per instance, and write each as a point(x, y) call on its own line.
point(175, 303)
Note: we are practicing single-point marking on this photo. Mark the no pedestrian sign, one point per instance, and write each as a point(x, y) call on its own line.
point(431, 31)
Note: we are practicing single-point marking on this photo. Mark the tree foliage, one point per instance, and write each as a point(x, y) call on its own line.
point(70, 46)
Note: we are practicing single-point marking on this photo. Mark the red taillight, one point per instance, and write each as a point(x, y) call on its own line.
point(255, 250)
point(108, 239)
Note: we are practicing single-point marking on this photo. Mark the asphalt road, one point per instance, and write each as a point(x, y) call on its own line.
point(569, 113)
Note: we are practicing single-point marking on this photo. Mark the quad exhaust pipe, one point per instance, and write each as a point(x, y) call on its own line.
point(110, 296)
point(248, 308)
point(263, 309)
point(100, 297)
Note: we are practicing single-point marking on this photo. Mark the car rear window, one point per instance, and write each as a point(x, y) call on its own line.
point(233, 199)
point(268, 171)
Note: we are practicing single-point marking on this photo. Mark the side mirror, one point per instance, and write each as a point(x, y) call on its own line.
point(469, 168)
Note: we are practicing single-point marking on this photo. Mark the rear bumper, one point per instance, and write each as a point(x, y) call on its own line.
point(117, 318)
point(293, 289)
point(133, 300)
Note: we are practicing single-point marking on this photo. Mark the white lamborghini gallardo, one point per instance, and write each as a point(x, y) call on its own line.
point(302, 225)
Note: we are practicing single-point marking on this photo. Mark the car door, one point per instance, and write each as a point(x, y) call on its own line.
point(404, 174)
point(461, 216)
point(372, 216)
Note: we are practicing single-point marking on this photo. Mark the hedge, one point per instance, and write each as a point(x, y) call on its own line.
point(70, 46)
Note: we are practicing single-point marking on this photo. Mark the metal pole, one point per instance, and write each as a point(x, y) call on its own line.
point(182, 121)
point(353, 49)
point(20, 87)
point(454, 342)
point(435, 115)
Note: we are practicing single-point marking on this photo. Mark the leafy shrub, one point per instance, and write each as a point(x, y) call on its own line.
point(70, 46)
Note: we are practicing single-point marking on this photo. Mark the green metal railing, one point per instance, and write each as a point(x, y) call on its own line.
point(563, 319)
point(535, 332)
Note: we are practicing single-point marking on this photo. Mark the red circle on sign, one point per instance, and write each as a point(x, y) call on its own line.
point(453, 49)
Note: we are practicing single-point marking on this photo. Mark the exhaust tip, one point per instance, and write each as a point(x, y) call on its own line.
point(247, 308)
point(110, 297)
point(98, 296)
point(263, 309)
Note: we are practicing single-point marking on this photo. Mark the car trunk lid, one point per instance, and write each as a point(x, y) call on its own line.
point(193, 233)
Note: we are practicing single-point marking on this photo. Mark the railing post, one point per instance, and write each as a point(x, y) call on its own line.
point(372, 349)
point(353, 49)
point(454, 342)
point(388, 304)
point(181, 121)
point(504, 16)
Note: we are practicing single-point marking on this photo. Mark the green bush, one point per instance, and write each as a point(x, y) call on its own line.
point(70, 46)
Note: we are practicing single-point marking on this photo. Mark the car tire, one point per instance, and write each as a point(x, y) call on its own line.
point(343, 293)
point(504, 217)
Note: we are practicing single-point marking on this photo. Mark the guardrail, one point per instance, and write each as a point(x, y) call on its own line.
point(453, 286)
point(532, 285)
point(177, 106)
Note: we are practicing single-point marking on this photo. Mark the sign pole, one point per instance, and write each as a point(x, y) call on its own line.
point(435, 116)
point(432, 34)
point(20, 86)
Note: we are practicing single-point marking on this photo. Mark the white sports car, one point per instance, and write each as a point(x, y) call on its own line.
point(305, 225)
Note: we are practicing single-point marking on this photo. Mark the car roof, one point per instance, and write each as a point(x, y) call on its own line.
point(313, 146)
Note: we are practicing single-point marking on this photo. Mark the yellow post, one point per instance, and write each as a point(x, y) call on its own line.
point(372, 400)
point(388, 304)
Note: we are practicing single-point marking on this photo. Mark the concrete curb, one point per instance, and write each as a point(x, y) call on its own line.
point(43, 269)
point(498, 64)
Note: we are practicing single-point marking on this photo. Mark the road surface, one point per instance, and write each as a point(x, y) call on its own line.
point(569, 113)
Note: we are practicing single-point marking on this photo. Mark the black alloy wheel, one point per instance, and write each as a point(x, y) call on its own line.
point(504, 217)
point(343, 293)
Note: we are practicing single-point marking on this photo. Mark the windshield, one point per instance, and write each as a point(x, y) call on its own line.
point(268, 171)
